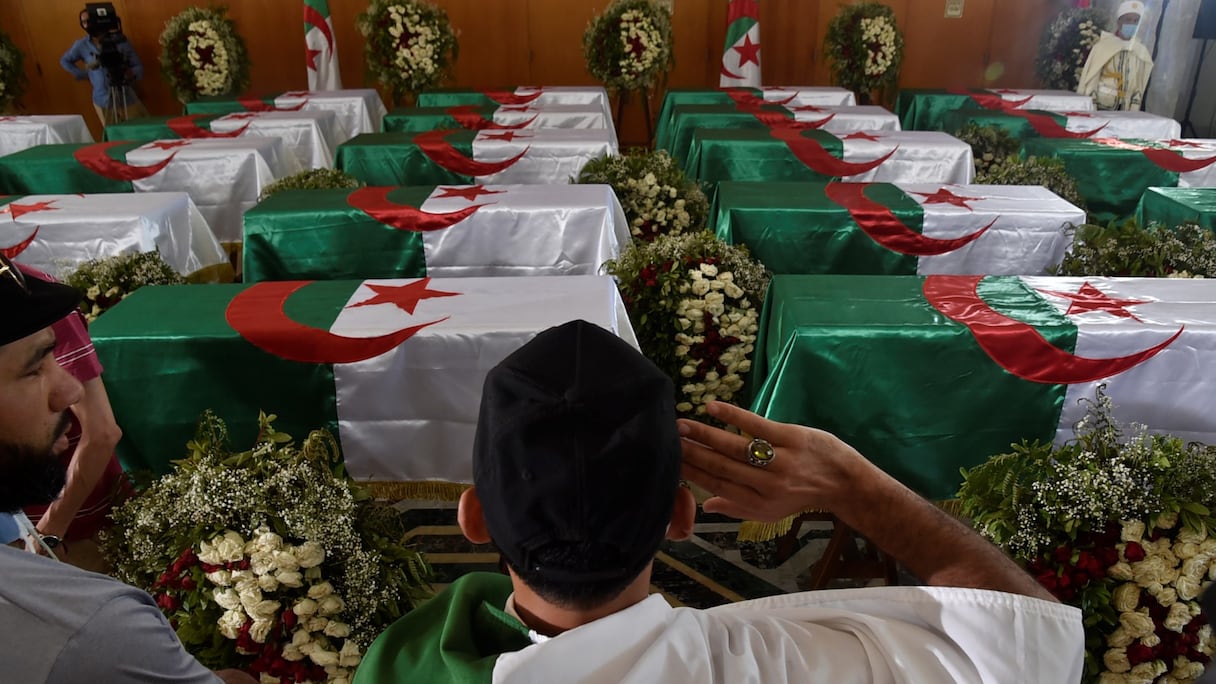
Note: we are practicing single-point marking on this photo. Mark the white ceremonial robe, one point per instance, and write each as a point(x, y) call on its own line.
point(1116, 73)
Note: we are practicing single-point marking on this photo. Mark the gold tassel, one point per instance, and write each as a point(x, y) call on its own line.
point(752, 531)
point(216, 273)
point(420, 491)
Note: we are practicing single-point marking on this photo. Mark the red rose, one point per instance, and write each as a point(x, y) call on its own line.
point(1139, 653)
point(1089, 564)
point(1063, 554)
point(1048, 579)
point(1134, 553)
point(1107, 555)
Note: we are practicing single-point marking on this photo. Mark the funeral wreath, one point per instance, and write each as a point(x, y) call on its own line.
point(202, 55)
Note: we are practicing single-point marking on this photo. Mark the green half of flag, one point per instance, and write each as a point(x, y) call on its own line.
point(871, 361)
point(317, 234)
point(161, 347)
point(737, 29)
point(54, 169)
point(395, 158)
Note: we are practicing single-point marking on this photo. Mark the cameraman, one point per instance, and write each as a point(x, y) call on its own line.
point(88, 50)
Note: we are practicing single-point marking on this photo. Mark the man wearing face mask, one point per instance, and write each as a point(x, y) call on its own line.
point(1116, 73)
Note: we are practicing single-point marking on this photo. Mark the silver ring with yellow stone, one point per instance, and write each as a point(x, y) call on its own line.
point(760, 453)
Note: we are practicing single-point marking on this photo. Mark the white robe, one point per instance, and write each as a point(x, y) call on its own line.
point(887, 635)
point(1112, 84)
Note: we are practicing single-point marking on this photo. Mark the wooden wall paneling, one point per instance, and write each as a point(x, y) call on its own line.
point(946, 53)
point(789, 42)
point(699, 30)
point(493, 40)
point(12, 22)
point(1014, 41)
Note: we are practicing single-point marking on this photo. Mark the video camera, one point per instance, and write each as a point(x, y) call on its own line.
point(101, 21)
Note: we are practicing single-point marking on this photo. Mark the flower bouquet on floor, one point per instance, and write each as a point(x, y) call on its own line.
point(202, 55)
point(12, 72)
point(693, 302)
point(628, 47)
point(865, 48)
point(409, 45)
point(1152, 251)
point(269, 560)
point(655, 194)
point(1118, 523)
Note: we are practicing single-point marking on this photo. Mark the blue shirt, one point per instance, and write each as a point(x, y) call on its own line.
point(84, 50)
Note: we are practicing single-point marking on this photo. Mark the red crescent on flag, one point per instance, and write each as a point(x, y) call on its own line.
point(728, 74)
point(990, 101)
point(313, 17)
point(1048, 127)
point(374, 202)
point(435, 146)
point(819, 160)
point(254, 104)
point(1018, 347)
point(881, 224)
point(504, 97)
point(187, 127)
point(469, 116)
point(12, 252)
point(258, 315)
point(94, 158)
point(1171, 160)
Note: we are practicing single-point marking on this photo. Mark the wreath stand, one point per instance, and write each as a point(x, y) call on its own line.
point(844, 557)
point(622, 99)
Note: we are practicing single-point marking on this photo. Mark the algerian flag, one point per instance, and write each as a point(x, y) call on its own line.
point(445, 231)
point(321, 50)
point(394, 367)
point(925, 375)
point(741, 56)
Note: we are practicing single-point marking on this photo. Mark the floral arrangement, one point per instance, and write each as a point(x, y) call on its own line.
point(312, 179)
point(629, 46)
point(989, 144)
point(1045, 171)
point(657, 197)
point(693, 301)
point(268, 560)
point(106, 282)
point(410, 45)
point(1117, 523)
point(1065, 45)
point(202, 55)
point(1153, 251)
point(12, 72)
point(865, 47)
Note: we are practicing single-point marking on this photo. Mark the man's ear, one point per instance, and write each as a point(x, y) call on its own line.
point(683, 515)
point(471, 518)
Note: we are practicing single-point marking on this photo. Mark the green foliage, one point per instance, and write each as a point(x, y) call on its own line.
point(864, 46)
point(12, 72)
point(654, 192)
point(990, 145)
point(312, 179)
point(1045, 171)
point(105, 282)
point(299, 494)
point(1154, 251)
point(202, 55)
point(409, 45)
point(1065, 47)
point(630, 45)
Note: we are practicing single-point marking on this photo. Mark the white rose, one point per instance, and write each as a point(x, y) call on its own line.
point(1187, 671)
point(1120, 638)
point(267, 678)
point(323, 658)
point(330, 605)
point(267, 583)
point(1188, 588)
point(263, 610)
point(220, 578)
point(1126, 597)
point(310, 554)
point(260, 629)
point(1179, 616)
point(315, 623)
point(286, 561)
point(1136, 623)
point(337, 629)
point(1188, 536)
point(300, 637)
point(1167, 521)
point(700, 287)
point(305, 607)
point(291, 652)
point(261, 563)
point(1186, 550)
point(349, 655)
point(1166, 596)
point(290, 579)
point(250, 596)
point(230, 623)
point(230, 548)
point(1149, 671)
point(227, 599)
point(320, 591)
point(709, 270)
point(683, 407)
point(1116, 660)
point(1121, 571)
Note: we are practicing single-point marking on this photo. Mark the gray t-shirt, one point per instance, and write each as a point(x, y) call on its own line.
point(63, 625)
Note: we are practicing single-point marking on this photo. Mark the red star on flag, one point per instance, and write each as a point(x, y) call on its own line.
point(1090, 298)
point(470, 193)
point(168, 144)
point(944, 196)
point(505, 135)
point(861, 135)
point(19, 210)
point(312, 58)
point(404, 297)
point(748, 51)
